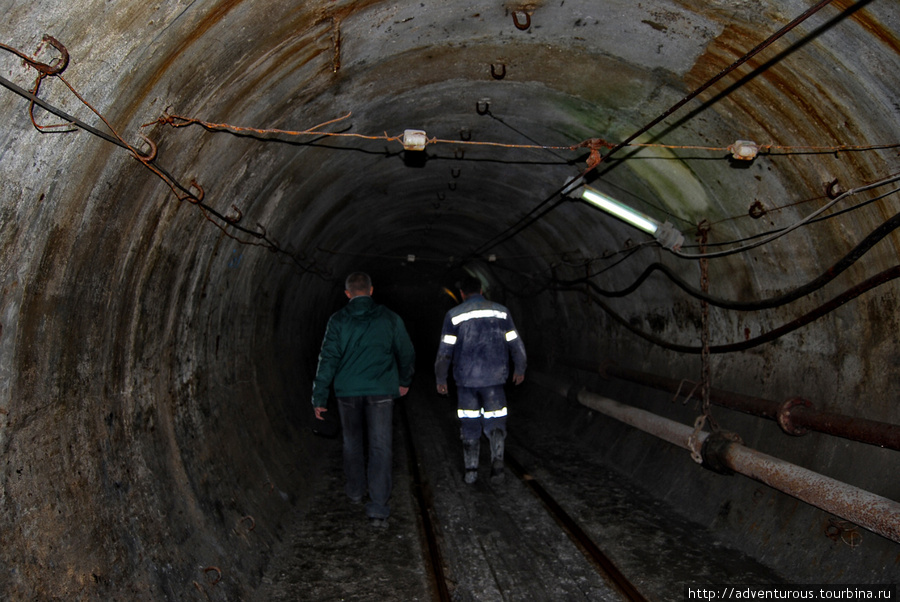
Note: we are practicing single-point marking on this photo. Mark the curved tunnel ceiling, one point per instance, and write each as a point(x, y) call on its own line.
point(124, 306)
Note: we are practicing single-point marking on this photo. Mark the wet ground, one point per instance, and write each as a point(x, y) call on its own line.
point(497, 542)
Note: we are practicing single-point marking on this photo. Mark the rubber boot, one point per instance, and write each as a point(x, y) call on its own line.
point(498, 442)
point(470, 459)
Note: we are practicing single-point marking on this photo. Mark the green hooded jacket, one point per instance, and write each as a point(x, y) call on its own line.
point(366, 351)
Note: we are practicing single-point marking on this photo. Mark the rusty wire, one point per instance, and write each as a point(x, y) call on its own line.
point(596, 158)
point(715, 79)
point(769, 149)
point(594, 145)
point(148, 160)
point(178, 121)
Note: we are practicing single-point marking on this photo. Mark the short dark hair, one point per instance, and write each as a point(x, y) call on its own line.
point(358, 282)
point(470, 285)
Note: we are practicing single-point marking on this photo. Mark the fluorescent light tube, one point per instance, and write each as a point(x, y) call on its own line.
point(620, 210)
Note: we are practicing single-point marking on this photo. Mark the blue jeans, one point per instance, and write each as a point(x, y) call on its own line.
point(481, 409)
point(369, 419)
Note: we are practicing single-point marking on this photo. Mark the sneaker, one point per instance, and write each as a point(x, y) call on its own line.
point(378, 523)
point(471, 476)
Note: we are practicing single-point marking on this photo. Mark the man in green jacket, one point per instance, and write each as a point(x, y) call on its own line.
point(368, 356)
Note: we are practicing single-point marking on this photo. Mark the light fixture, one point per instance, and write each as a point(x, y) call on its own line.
point(743, 150)
point(620, 210)
point(414, 140)
point(664, 233)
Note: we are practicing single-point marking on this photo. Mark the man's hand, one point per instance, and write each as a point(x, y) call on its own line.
point(320, 412)
point(442, 389)
point(404, 391)
point(518, 378)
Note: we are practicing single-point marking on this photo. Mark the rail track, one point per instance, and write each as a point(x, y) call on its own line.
point(504, 526)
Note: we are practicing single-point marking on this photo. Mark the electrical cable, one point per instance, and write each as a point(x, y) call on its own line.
point(713, 80)
point(812, 221)
point(792, 227)
point(154, 165)
point(827, 276)
point(767, 337)
point(516, 228)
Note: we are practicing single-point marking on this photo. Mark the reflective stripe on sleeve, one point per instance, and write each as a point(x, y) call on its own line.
point(496, 413)
point(478, 313)
point(512, 335)
point(449, 339)
point(468, 413)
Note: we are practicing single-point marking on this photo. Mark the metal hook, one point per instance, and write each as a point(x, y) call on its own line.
point(500, 75)
point(195, 199)
point(455, 172)
point(148, 157)
point(485, 110)
point(441, 196)
point(465, 134)
point(214, 569)
point(234, 220)
point(522, 26)
point(44, 68)
point(459, 153)
point(61, 65)
point(252, 522)
point(451, 185)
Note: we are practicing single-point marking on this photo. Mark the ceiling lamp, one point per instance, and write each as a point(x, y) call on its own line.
point(744, 150)
point(414, 140)
point(664, 233)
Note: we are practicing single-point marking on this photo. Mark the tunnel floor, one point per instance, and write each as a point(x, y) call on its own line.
point(497, 541)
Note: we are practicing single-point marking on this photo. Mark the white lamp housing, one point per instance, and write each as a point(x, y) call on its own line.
point(620, 210)
point(665, 234)
point(414, 140)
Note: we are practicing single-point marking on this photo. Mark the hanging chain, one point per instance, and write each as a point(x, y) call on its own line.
point(705, 372)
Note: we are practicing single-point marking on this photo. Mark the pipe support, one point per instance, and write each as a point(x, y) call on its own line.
point(871, 511)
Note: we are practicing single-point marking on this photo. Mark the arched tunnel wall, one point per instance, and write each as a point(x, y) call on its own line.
point(157, 344)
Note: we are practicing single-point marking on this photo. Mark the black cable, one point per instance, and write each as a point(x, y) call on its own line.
point(60, 113)
point(709, 83)
point(114, 140)
point(822, 310)
point(812, 221)
point(830, 274)
point(521, 224)
point(783, 231)
point(515, 228)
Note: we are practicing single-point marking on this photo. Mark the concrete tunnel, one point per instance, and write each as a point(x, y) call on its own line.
point(183, 196)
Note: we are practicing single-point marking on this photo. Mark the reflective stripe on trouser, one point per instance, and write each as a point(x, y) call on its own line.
point(481, 409)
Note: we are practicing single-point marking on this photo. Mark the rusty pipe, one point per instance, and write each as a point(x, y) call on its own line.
point(868, 510)
point(794, 418)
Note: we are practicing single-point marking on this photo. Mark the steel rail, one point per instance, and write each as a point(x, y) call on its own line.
point(576, 534)
point(423, 501)
point(868, 510)
point(795, 416)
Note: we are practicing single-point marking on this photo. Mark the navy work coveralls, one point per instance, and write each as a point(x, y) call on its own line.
point(478, 338)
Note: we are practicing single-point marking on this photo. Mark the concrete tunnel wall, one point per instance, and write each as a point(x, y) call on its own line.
point(154, 370)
